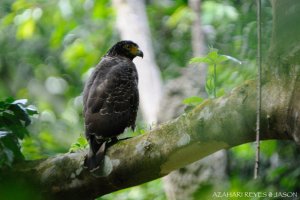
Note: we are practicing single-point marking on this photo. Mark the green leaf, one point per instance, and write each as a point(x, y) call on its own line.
point(220, 92)
point(211, 58)
point(10, 147)
point(5, 104)
point(269, 147)
point(20, 101)
point(80, 143)
point(213, 55)
point(200, 60)
point(3, 133)
point(14, 117)
point(26, 29)
point(182, 15)
point(31, 110)
point(20, 112)
point(194, 100)
point(11, 122)
point(214, 58)
point(209, 86)
point(233, 59)
point(9, 100)
point(220, 59)
point(6, 156)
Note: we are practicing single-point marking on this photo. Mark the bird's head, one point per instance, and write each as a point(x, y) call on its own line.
point(125, 48)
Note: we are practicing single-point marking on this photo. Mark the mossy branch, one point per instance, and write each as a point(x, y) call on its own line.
point(216, 124)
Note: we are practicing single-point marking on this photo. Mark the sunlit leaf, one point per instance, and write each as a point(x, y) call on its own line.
point(8, 19)
point(31, 110)
point(209, 86)
point(244, 151)
point(3, 133)
point(211, 58)
point(20, 101)
point(268, 147)
point(200, 60)
point(213, 54)
point(233, 59)
point(20, 4)
point(194, 100)
point(80, 143)
point(26, 29)
point(220, 59)
point(180, 15)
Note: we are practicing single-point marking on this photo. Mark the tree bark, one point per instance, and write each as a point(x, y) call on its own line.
point(214, 125)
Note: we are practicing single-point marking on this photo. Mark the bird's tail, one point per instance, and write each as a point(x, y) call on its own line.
point(95, 155)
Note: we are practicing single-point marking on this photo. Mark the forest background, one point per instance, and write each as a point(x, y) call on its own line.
point(48, 49)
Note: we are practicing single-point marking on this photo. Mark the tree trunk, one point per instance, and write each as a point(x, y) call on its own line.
point(196, 29)
point(132, 24)
point(283, 62)
point(216, 124)
point(185, 182)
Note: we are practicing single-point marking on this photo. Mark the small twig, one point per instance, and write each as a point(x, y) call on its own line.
point(258, 109)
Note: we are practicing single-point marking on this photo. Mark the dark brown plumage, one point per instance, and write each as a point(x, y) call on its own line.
point(110, 99)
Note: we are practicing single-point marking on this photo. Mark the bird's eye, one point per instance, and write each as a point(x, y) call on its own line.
point(127, 46)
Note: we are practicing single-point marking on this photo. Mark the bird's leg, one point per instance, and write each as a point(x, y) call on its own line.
point(99, 156)
point(96, 153)
point(114, 140)
point(126, 138)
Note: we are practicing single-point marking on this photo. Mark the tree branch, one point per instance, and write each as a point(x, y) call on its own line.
point(215, 124)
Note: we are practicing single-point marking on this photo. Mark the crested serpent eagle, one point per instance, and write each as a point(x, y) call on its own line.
point(110, 99)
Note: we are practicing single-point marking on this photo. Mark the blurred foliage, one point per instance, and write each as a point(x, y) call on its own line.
point(194, 100)
point(191, 102)
point(48, 49)
point(80, 143)
point(14, 118)
point(279, 170)
point(213, 59)
point(148, 191)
